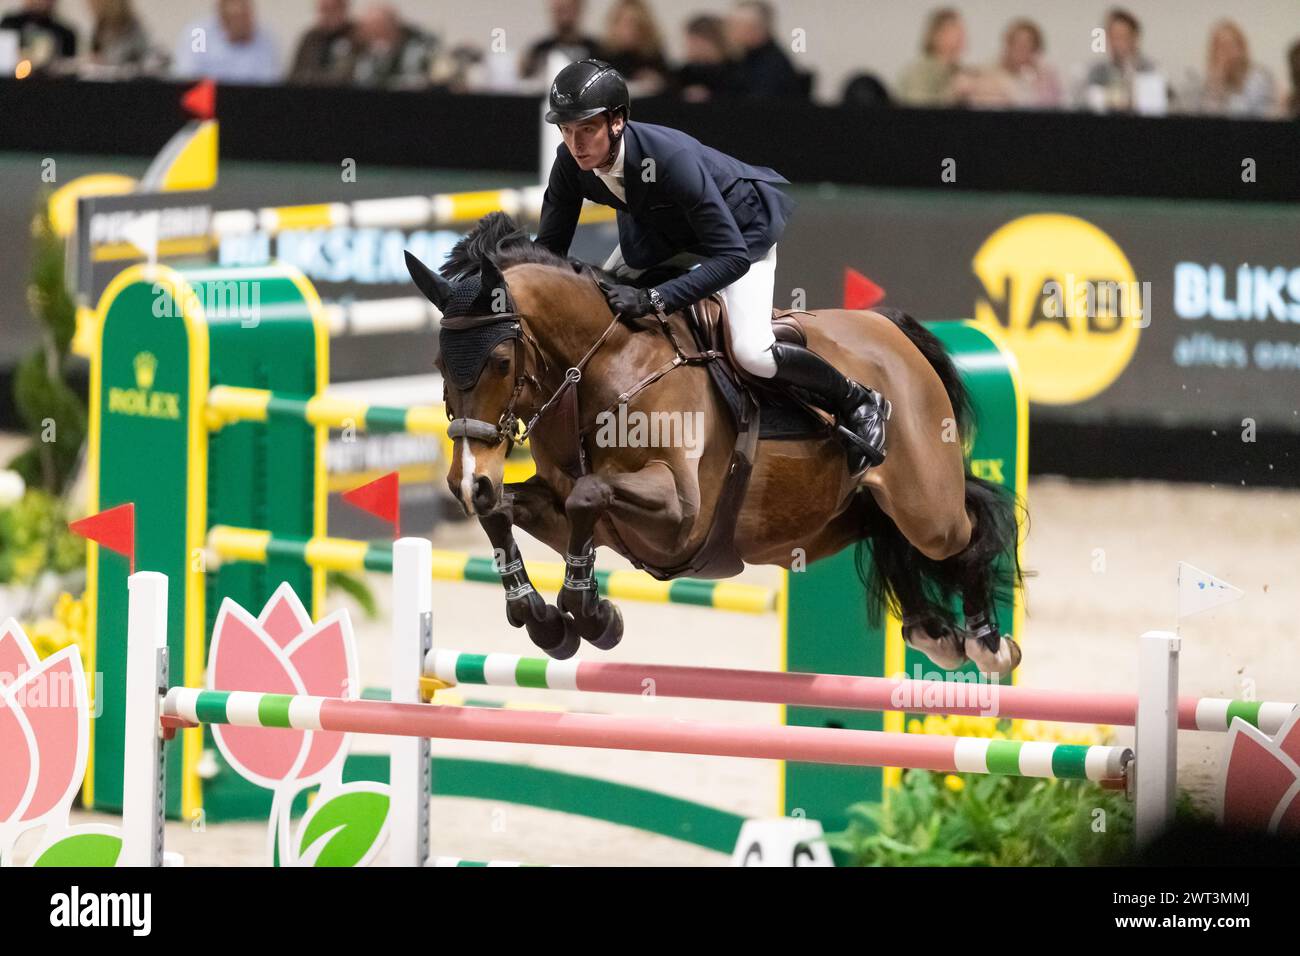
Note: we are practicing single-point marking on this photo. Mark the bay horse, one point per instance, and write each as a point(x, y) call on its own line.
point(528, 337)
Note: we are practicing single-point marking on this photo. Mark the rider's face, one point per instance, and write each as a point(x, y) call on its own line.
point(588, 140)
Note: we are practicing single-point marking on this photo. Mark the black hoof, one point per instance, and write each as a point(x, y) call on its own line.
point(595, 619)
point(550, 630)
point(554, 635)
point(605, 630)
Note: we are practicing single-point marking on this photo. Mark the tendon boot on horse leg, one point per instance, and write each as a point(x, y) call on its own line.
point(594, 618)
point(860, 412)
point(546, 626)
point(993, 653)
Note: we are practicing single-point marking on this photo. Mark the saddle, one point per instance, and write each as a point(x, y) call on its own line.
point(758, 411)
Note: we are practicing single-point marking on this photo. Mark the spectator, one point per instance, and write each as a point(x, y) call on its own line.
point(566, 36)
point(229, 47)
point(764, 69)
point(327, 50)
point(41, 38)
point(1293, 63)
point(866, 91)
point(392, 53)
point(1021, 79)
point(1110, 83)
point(118, 38)
point(708, 71)
point(938, 78)
point(633, 46)
point(1233, 85)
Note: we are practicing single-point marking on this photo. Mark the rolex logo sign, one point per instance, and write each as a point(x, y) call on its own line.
point(1063, 295)
point(142, 401)
point(146, 363)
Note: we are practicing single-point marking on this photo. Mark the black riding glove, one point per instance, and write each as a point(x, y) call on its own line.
point(629, 301)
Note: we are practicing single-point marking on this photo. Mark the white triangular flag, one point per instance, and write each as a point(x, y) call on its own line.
point(1198, 591)
point(142, 232)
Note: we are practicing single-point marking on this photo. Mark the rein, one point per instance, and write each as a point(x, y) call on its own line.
point(507, 425)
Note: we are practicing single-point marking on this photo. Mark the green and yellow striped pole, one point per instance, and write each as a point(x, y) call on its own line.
point(228, 404)
point(343, 554)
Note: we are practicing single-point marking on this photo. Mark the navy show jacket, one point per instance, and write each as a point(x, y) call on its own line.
point(690, 198)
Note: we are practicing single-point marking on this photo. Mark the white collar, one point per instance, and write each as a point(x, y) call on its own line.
point(617, 169)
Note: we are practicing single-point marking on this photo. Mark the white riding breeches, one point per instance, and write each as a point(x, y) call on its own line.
point(749, 307)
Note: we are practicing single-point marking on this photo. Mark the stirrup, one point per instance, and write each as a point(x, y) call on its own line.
point(862, 453)
point(983, 628)
point(859, 448)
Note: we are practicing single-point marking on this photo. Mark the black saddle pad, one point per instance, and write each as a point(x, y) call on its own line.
point(780, 418)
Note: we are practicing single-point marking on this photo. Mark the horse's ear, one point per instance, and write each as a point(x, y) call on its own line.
point(491, 279)
point(435, 288)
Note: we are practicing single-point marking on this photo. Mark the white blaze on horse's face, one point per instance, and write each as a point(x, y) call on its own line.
point(466, 475)
point(475, 474)
point(477, 467)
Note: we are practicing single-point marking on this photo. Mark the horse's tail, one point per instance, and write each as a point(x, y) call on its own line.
point(899, 577)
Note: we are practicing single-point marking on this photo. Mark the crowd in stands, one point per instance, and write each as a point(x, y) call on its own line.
point(736, 56)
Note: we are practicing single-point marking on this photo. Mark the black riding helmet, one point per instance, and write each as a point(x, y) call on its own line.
point(586, 88)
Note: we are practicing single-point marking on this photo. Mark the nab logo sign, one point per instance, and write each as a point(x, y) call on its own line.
point(1064, 296)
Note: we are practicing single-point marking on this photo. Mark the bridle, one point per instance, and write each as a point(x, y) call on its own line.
point(506, 428)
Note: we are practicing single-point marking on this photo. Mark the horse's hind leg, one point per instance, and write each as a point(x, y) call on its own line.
point(989, 561)
point(921, 490)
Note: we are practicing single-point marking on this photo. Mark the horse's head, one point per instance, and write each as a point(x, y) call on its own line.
point(500, 360)
point(481, 358)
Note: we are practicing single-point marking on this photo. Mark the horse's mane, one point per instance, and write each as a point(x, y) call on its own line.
point(501, 240)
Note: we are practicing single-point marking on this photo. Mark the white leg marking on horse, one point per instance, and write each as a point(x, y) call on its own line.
point(995, 665)
point(942, 653)
point(466, 474)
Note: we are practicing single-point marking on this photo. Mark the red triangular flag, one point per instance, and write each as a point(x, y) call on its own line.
point(381, 498)
point(113, 529)
point(859, 291)
point(200, 100)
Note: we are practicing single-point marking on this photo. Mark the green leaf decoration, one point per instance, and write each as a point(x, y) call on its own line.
point(82, 849)
point(344, 829)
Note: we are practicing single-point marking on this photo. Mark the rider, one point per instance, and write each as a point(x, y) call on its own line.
point(689, 203)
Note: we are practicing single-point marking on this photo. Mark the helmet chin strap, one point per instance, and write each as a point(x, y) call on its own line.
point(614, 140)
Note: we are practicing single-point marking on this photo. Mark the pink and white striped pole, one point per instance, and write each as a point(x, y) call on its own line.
point(829, 745)
point(836, 691)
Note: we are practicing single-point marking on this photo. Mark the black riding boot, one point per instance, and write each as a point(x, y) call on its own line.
point(860, 412)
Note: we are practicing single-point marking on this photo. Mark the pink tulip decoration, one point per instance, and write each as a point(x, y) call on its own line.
point(44, 720)
point(283, 652)
point(1259, 784)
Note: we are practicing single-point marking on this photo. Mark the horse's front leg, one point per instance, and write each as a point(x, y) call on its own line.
point(652, 501)
point(594, 618)
point(546, 626)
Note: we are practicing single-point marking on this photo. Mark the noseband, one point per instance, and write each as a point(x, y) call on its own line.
point(467, 342)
